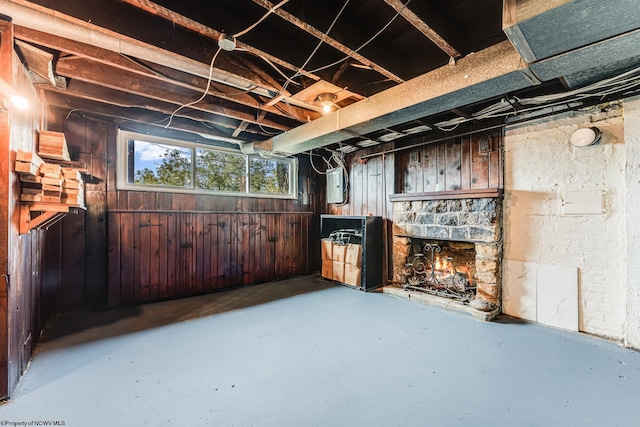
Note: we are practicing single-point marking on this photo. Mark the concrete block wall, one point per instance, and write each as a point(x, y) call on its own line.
point(540, 167)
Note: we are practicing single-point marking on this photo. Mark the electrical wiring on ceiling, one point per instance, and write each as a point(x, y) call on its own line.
point(362, 46)
point(505, 107)
point(213, 60)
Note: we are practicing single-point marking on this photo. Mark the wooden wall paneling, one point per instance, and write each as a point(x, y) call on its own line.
point(114, 264)
point(168, 289)
point(142, 235)
point(127, 258)
point(96, 250)
point(164, 201)
point(414, 177)
point(356, 181)
point(111, 162)
point(155, 226)
point(73, 268)
point(224, 250)
point(199, 249)
point(453, 165)
point(213, 250)
point(495, 164)
point(150, 198)
point(245, 252)
point(187, 253)
point(465, 165)
point(429, 165)
point(135, 200)
point(162, 260)
point(272, 237)
point(441, 165)
point(479, 164)
point(373, 186)
point(304, 244)
point(262, 248)
point(123, 200)
point(295, 224)
point(52, 277)
point(206, 252)
point(188, 202)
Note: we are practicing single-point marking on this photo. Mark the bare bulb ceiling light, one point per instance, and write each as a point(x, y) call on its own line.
point(326, 100)
point(7, 91)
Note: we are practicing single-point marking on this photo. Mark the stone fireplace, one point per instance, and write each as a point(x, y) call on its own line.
point(467, 230)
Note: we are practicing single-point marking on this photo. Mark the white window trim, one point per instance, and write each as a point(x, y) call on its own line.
point(122, 167)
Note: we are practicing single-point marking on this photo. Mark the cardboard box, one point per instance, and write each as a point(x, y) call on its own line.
point(327, 269)
point(354, 254)
point(326, 246)
point(338, 271)
point(339, 252)
point(351, 275)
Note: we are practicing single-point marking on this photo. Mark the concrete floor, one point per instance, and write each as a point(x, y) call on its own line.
point(306, 353)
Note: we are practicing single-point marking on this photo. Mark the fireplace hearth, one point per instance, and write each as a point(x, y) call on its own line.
point(449, 251)
point(436, 274)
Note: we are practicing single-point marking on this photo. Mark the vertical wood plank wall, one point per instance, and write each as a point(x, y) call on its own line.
point(453, 164)
point(21, 314)
point(138, 246)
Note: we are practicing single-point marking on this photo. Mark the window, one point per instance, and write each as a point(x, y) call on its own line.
point(161, 164)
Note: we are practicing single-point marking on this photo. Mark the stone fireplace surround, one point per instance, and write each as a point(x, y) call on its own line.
point(471, 217)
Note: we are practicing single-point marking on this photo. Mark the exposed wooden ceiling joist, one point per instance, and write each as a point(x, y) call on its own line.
point(328, 40)
point(425, 29)
point(55, 99)
point(159, 72)
point(91, 92)
point(102, 75)
point(199, 28)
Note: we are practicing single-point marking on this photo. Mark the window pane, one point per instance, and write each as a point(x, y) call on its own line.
point(220, 171)
point(160, 164)
point(269, 176)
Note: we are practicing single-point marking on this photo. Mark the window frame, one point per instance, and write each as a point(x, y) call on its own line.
point(122, 168)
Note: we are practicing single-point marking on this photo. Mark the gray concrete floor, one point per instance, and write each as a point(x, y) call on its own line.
point(303, 352)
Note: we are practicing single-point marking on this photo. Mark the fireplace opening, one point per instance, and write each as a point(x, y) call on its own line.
point(442, 268)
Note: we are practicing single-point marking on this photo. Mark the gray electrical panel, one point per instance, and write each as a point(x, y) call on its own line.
point(335, 186)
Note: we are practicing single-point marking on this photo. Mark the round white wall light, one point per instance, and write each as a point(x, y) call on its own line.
point(584, 137)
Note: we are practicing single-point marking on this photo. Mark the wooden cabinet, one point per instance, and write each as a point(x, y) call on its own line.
point(370, 228)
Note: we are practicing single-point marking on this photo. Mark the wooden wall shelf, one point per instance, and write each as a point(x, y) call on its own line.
point(47, 214)
point(448, 195)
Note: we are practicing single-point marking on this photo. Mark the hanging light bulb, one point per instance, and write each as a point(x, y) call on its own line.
point(10, 93)
point(326, 101)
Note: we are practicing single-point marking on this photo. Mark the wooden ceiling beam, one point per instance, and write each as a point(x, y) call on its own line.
point(184, 50)
point(90, 92)
point(156, 71)
point(328, 40)
point(204, 30)
point(101, 75)
point(63, 101)
point(424, 28)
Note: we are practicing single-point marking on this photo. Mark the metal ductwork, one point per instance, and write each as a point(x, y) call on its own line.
point(578, 41)
point(482, 75)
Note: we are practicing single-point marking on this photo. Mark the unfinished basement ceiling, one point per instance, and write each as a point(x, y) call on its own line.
point(393, 68)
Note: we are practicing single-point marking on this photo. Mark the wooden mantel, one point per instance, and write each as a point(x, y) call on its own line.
point(448, 195)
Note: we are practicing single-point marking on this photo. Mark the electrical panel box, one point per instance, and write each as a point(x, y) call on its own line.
point(335, 186)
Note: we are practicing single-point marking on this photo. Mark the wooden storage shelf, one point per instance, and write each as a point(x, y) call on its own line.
point(49, 214)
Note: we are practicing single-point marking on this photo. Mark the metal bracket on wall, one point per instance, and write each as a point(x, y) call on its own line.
point(49, 214)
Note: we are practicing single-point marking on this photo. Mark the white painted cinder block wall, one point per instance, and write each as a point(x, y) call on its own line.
point(540, 166)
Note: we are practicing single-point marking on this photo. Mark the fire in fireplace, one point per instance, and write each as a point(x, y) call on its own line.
point(441, 273)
